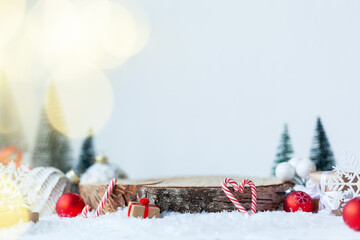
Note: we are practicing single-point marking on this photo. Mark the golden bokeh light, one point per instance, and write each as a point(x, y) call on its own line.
point(78, 98)
point(125, 33)
point(19, 57)
point(51, 33)
point(119, 38)
point(143, 28)
point(39, 37)
point(11, 16)
point(96, 32)
point(65, 36)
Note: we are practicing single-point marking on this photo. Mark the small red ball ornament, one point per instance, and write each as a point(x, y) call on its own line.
point(298, 201)
point(144, 201)
point(351, 214)
point(69, 205)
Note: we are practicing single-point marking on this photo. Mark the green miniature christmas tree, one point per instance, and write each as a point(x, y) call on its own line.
point(284, 150)
point(52, 148)
point(87, 154)
point(321, 153)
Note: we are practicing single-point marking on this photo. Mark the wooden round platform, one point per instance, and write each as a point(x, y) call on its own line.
point(187, 194)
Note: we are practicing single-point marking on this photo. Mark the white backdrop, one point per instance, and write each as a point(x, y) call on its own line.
point(210, 92)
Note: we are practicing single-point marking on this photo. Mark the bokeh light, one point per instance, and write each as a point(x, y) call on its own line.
point(79, 98)
point(102, 33)
point(14, 55)
point(96, 32)
point(125, 33)
point(11, 16)
point(38, 38)
point(65, 36)
point(119, 37)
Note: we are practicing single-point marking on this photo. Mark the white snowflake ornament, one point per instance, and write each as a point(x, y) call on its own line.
point(13, 189)
point(346, 179)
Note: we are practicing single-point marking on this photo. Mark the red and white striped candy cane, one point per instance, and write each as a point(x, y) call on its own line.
point(85, 211)
point(87, 208)
point(240, 188)
point(105, 197)
point(253, 193)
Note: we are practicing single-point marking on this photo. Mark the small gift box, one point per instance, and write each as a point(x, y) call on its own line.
point(143, 209)
point(319, 191)
point(329, 191)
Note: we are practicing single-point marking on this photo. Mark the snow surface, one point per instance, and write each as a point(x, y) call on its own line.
point(226, 225)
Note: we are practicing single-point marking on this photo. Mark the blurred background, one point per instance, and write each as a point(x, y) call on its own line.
point(179, 87)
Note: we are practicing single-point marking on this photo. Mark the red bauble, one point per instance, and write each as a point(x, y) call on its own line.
point(351, 214)
point(298, 201)
point(69, 205)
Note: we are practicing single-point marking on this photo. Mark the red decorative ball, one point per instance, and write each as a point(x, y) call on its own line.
point(351, 214)
point(298, 201)
point(69, 205)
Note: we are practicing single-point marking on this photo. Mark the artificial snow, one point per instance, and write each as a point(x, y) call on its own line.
point(226, 225)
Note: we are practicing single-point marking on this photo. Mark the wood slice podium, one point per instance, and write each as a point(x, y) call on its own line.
point(187, 194)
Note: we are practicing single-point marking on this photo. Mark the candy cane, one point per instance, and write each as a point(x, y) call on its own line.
point(253, 193)
point(85, 211)
point(105, 197)
point(109, 189)
point(240, 188)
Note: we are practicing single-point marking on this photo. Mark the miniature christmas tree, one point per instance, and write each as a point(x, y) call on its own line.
point(87, 154)
point(285, 150)
point(11, 133)
point(52, 148)
point(321, 153)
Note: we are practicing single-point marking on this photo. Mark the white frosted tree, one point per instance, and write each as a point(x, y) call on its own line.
point(52, 148)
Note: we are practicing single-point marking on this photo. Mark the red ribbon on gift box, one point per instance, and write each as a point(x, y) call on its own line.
point(145, 203)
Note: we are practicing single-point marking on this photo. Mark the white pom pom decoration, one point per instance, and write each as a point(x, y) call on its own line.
point(294, 161)
point(304, 167)
point(285, 171)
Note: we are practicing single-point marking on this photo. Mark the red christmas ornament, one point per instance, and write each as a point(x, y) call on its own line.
point(298, 201)
point(69, 205)
point(351, 214)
